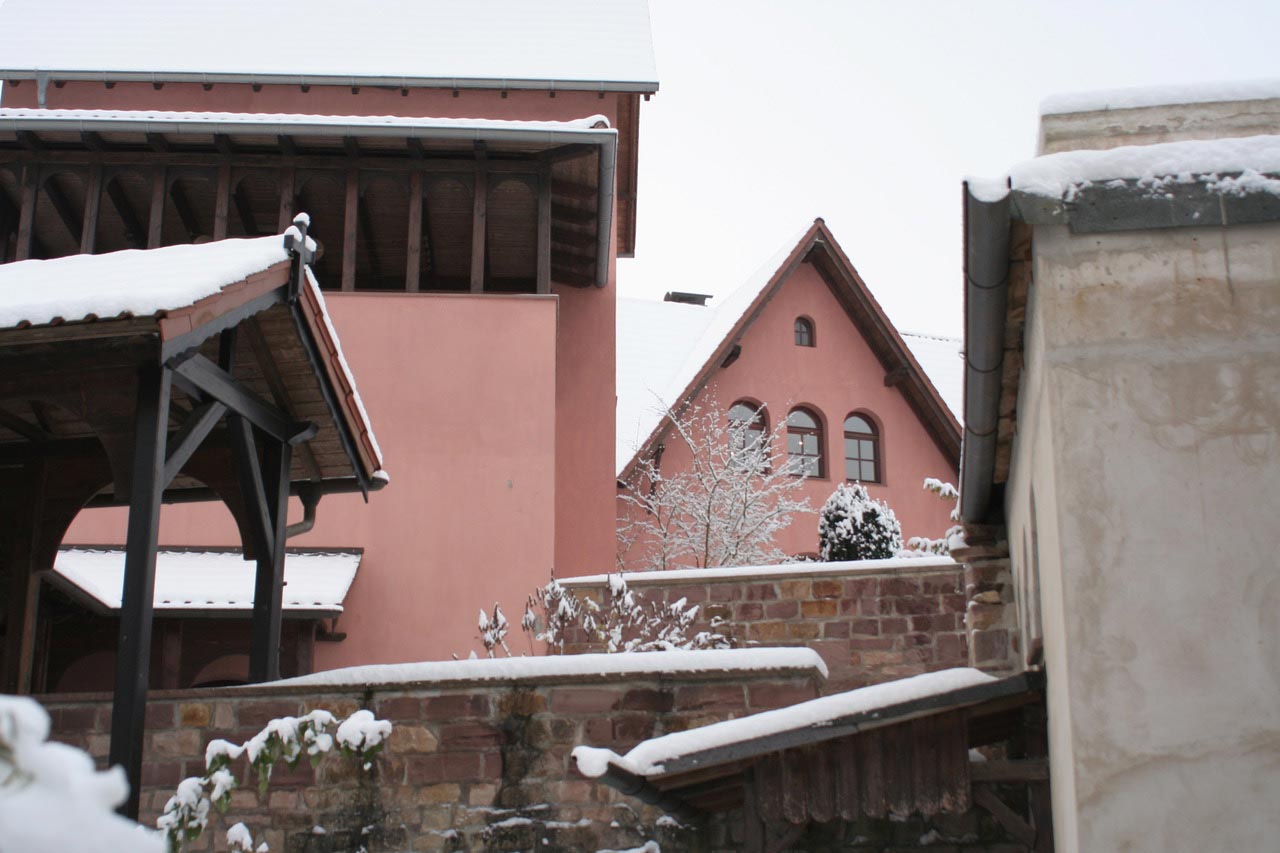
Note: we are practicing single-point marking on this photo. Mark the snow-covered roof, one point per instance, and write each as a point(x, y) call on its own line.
point(942, 359)
point(1202, 160)
point(179, 122)
point(212, 580)
point(604, 666)
point(604, 44)
point(663, 346)
point(648, 757)
point(1156, 96)
point(925, 562)
point(134, 282)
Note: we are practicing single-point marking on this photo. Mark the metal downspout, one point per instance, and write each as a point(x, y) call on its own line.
point(986, 272)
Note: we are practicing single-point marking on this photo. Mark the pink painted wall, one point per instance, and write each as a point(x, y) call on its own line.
point(462, 393)
point(833, 379)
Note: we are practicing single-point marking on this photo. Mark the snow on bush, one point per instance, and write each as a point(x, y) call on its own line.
point(52, 797)
point(626, 622)
point(493, 630)
point(954, 536)
point(725, 509)
point(853, 526)
point(288, 739)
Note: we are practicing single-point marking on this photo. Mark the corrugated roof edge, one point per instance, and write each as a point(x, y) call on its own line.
point(643, 87)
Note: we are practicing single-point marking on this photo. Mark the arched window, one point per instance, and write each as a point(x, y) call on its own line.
point(804, 332)
point(804, 443)
point(861, 450)
point(748, 427)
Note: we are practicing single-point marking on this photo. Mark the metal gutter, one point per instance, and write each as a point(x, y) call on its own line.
point(986, 288)
point(646, 87)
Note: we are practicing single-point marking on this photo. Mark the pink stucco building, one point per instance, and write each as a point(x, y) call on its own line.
point(803, 342)
point(481, 336)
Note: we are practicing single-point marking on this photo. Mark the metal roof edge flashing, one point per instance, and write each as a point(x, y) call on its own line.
point(986, 272)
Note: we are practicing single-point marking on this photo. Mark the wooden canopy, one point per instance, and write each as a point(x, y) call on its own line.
point(402, 204)
point(240, 395)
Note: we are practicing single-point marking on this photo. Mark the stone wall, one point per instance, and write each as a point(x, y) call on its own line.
point(868, 624)
point(470, 765)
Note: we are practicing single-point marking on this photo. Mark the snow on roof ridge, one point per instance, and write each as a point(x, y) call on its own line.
point(647, 757)
point(586, 44)
point(197, 117)
point(1135, 97)
point(568, 666)
point(1059, 175)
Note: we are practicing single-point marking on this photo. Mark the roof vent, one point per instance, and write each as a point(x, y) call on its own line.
point(686, 298)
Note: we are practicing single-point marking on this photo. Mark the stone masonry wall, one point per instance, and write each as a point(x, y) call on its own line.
point(470, 766)
point(869, 625)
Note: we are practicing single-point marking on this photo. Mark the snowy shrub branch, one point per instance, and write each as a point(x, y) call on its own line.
point(625, 623)
point(954, 536)
point(725, 509)
point(186, 815)
point(53, 798)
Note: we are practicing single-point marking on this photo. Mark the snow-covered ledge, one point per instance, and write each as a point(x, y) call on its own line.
point(551, 669)
point(930, 563)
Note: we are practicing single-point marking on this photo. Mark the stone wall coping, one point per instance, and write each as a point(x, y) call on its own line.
point(771, 664)
point(855, 568)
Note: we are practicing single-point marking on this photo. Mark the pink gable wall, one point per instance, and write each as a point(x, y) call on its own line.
point(461, 390)
point(833, 379)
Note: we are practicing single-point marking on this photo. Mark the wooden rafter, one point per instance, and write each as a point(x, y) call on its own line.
point(134, 233)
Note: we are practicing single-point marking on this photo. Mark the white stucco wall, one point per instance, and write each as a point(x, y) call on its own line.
point(1149, 427)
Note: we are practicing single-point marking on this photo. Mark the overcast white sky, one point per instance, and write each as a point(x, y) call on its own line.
point(870, 114)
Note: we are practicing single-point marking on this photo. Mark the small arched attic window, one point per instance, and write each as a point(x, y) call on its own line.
point(804, 443)
point(804, 332)
point(861, 449)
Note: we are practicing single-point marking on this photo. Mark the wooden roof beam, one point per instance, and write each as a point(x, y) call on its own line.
point(27, 430)
point(185, 211)
point(245, 211)
point(63, 207)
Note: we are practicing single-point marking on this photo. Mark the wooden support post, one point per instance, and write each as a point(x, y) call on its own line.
point(288, 180)
point(413, 266)
point(350, 227)
point(222, 202)
point(479, 214)
point(92, 206)
point(133, 650)
point(155, 220)
point(268, 591)
point(171, 654)
point(24, 589)
point(544, 230)
point(27, 216)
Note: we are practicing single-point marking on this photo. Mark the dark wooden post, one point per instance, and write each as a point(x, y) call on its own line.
point(27, 214)
point(155, 221)
point(24, 589)
point(413, 262)
point(350, 228)
point(268, 592)
point(479, 216)
point(133, 651)
point(222, 201)
point(92, 205)
point(544, 229)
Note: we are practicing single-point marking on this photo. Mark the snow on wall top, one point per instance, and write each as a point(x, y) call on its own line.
point(942, 360)
point(1156, 96)
point(175, 121)
point(569, 666)
point(135, 281)
point(922, 562)
point(213, 580)
point(563, 41)
point(1060, 175)
point(647, 758)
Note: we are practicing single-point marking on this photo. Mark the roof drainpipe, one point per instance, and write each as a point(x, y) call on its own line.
point(986, 269)
point(604, 208)
point(310, 500)
point(42, 90)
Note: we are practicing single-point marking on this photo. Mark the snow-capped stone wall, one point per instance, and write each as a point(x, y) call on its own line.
point(471, 765)
point(871, 621)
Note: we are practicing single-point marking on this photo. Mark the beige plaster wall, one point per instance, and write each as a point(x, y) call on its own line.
point(1147, 125)
point(1149, 427)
